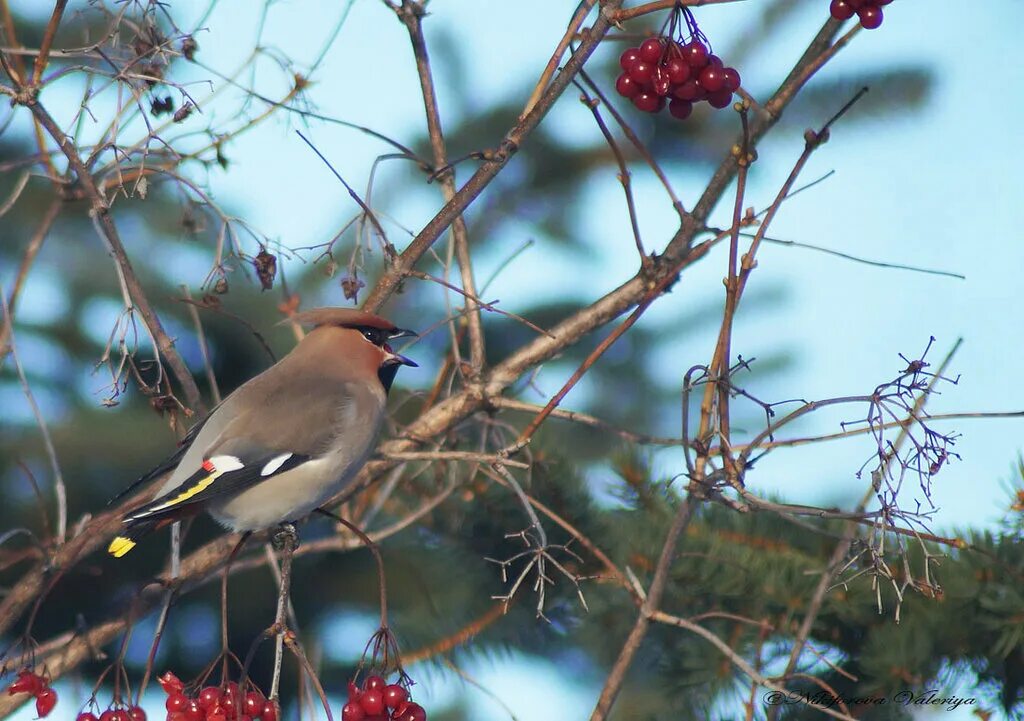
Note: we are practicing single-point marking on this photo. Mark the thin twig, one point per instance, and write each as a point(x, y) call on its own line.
point(654, 594)
point(31, 251)
point(494, 162)
point(51, 452)
point(101, 212)
point(288, 542)
point(211, 377)
point(411, 14)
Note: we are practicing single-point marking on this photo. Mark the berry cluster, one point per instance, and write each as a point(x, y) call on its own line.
point(378, 700)
point(214, 703)
point(128, 713)
point(37, 685)
point(671, 70)
point(868, 11)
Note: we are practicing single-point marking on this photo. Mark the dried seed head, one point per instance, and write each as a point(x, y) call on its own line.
point(266, 268)
point(350, 286)
point(183, 112)
point(189, 47)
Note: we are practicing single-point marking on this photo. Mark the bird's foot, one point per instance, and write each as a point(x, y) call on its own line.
point(285, 536)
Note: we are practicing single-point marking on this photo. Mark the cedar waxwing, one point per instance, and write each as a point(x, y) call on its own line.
point(286, 441)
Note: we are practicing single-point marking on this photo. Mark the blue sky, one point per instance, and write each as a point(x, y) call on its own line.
point(934, 189)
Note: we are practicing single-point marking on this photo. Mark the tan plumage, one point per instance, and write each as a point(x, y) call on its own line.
point(289, 439)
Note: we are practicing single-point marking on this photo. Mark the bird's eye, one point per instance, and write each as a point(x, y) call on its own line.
point(373, 335)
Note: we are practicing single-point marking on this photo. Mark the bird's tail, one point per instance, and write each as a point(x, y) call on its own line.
point(130, 534)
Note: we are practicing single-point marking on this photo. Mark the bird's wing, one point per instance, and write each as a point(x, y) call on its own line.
point(219, 476)
point(169, 463)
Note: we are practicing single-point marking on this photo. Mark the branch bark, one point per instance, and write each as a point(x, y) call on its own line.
point(650, 605)
point(100, 209)
point(492, 165)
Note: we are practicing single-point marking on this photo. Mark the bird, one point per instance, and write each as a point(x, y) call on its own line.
point(287, 440)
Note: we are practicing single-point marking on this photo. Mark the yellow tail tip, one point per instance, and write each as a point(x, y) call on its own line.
point(120, 546)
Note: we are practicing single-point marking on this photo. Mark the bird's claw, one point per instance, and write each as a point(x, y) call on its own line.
point(285, 536)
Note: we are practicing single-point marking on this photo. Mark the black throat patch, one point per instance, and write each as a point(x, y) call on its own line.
point(387, 373)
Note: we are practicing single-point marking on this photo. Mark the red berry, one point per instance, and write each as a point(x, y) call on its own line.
point(660, 82)
point(648, 102)
point(46, 699)
point(716, 61)
point(231, 700)
point(120, 715)
point(176, 702)
point(217, 713)
point(678, 70)
point(373, 700)
point(629, 57)
point(841, 9)
point(108, 715)
point(394, 695)
point(641, 72)
point(720, 98)
point(194, 712)
point(352, 711)
point(858, 4)
point(680, 108)
point(731, 80)
point(374, 683)
point(86, 716)
point(712, 78)
point(626, 86)
point(135, 713)
point(208, 697)
point(354, 692)
point(413, 712)
point(254, 702)
point(690, 90)
point(870, 17)
point(27, 682)
point(651, 49)
point(882, 2)
point(269, 712)
point(176, 716)
point(695, 54)
point(171, 683)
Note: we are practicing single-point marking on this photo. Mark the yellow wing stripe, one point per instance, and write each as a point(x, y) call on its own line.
point(200, 485)
point(120, 546)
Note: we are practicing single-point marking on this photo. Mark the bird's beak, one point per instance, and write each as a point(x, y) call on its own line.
point(392, 358)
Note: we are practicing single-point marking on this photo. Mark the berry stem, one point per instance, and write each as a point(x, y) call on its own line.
point(296, 648)
point(624, 175)
point(288, 543)
point(375, 550)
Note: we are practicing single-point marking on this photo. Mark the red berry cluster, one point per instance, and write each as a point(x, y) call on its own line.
point(128, 713)
point(37, 685)
point(663, 71)
point(676, 68)
point(214, 703)
point(378, 700)
point(868, 11)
